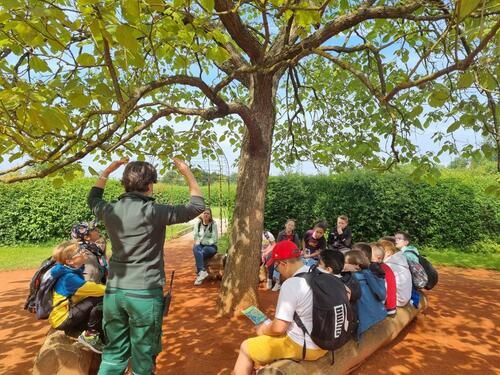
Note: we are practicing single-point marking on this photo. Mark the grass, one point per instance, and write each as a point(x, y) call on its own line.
point(455, 258)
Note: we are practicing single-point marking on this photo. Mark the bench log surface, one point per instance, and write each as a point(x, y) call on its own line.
point(352, 354)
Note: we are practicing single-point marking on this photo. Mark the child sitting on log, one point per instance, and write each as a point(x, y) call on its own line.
point(370, 306)
point(77, 304)
point(399, 266)
point(314, 242)
point(390, 280)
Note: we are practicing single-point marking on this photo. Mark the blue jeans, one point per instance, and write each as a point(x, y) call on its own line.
point(202, 252)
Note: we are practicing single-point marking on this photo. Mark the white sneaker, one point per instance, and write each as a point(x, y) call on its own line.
point(276, 287)
point(269, 283)
point(201, 276)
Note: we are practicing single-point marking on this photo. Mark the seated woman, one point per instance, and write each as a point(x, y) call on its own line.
point(77, 304)
point(205, 243)
point(370, 306)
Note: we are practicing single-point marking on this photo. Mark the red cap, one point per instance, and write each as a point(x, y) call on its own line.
point(284, 250)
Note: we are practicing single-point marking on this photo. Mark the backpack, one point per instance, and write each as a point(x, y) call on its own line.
point(432, 274)
point(333, 318)
point(418, 275)
point(42, 284)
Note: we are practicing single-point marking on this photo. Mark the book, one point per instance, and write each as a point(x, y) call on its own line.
point(255, 315)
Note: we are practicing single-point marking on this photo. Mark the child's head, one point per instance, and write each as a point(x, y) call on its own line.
point(331, 261)
point(388, 238)
point(357, 258)
point(85, 231)
point(319, 229)
point(378, 252)
point(70, 253)
point(207, 215)
point(402, 239)
point(290, 225)
point(342, 221)
point(388, 247)
point(364, 247)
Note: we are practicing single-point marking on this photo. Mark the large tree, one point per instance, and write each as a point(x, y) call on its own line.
point(344, 82)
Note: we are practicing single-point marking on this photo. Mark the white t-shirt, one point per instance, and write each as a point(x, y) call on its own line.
point(296, 296)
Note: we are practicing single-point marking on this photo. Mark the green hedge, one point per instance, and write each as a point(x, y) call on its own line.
point(37, 211)
point(456, 211)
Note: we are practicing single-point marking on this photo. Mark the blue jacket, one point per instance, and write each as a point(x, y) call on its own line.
point(370, 306)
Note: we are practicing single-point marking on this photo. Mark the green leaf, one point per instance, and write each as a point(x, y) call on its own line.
point(439, 96)
point(208, 5)
point(218, 54)
point(85, 59)
point(38, 64)
point(131, 10)
point(466, 7)
point(466, 79)
point(453, 127)
point(79, 99)
point(92, 171)
point(125, 36)
point(58, 182)
point(486, 80)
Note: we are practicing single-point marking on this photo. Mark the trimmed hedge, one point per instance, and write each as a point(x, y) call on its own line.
point(455, 211)
point(37, 211)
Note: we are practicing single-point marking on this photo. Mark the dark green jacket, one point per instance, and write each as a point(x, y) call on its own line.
point(136, 227)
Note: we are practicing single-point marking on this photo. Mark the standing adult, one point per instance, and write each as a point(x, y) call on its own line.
point(136, 225)
point(205, 243)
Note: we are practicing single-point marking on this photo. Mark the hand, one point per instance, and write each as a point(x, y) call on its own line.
point(115, 165)
point(339, 229)
point(181, 166)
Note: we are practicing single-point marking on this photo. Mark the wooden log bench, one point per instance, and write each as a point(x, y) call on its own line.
point(62, 354)
point(352, 354)
point(215, 266)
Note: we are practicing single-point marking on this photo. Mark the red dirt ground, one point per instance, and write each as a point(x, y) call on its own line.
point(458, 334)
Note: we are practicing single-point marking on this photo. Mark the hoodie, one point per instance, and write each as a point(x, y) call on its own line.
point(401, 270)
point(370, 306)
point(408, 253)
point(70, 287)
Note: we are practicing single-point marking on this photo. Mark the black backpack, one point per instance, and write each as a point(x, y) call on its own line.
point(42, 284)
point(432, 274)
point(333, 318)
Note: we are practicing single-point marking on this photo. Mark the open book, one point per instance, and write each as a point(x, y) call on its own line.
point(255, 315)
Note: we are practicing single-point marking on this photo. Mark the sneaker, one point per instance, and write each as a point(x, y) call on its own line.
point(91, 341)
point(276, 287)
point(269, 284)
point(201, 276)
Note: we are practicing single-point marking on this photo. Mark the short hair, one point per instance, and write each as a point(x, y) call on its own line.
point(388, 246)
point(138, 175)
point(65, 251)
point(405, 235)
point(320, 224)
point(357, 257)
point(343, 217)
point(333, 259)
point(388, 238)
point(364, 247)
point(290, 220)
point(377, 249)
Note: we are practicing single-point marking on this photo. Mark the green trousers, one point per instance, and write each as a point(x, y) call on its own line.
point(132, 321)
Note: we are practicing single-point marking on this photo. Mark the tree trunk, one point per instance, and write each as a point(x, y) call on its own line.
point(240, 280)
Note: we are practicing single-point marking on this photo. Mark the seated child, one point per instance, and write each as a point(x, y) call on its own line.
point(266, 251)
point(374, 266)
point(77, 304)
point(286, 234)
point(390, 280)
point(96, 264)
point(205, 243)
point(340, 237)
point(411, 253)
point(314, 242)
point(370, 306)
point(399, 266)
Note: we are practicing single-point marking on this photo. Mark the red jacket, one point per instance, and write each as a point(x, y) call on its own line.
point(390, 283)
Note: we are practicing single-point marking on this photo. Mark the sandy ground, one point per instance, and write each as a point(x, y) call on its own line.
point(458, 334)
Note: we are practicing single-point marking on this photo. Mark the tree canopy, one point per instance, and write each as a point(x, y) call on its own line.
point(355, 78)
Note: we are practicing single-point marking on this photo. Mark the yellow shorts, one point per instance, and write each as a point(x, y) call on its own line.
point(266, 349)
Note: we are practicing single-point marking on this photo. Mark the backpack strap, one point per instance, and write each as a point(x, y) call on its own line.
point(413, 252)
point(298, 321)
